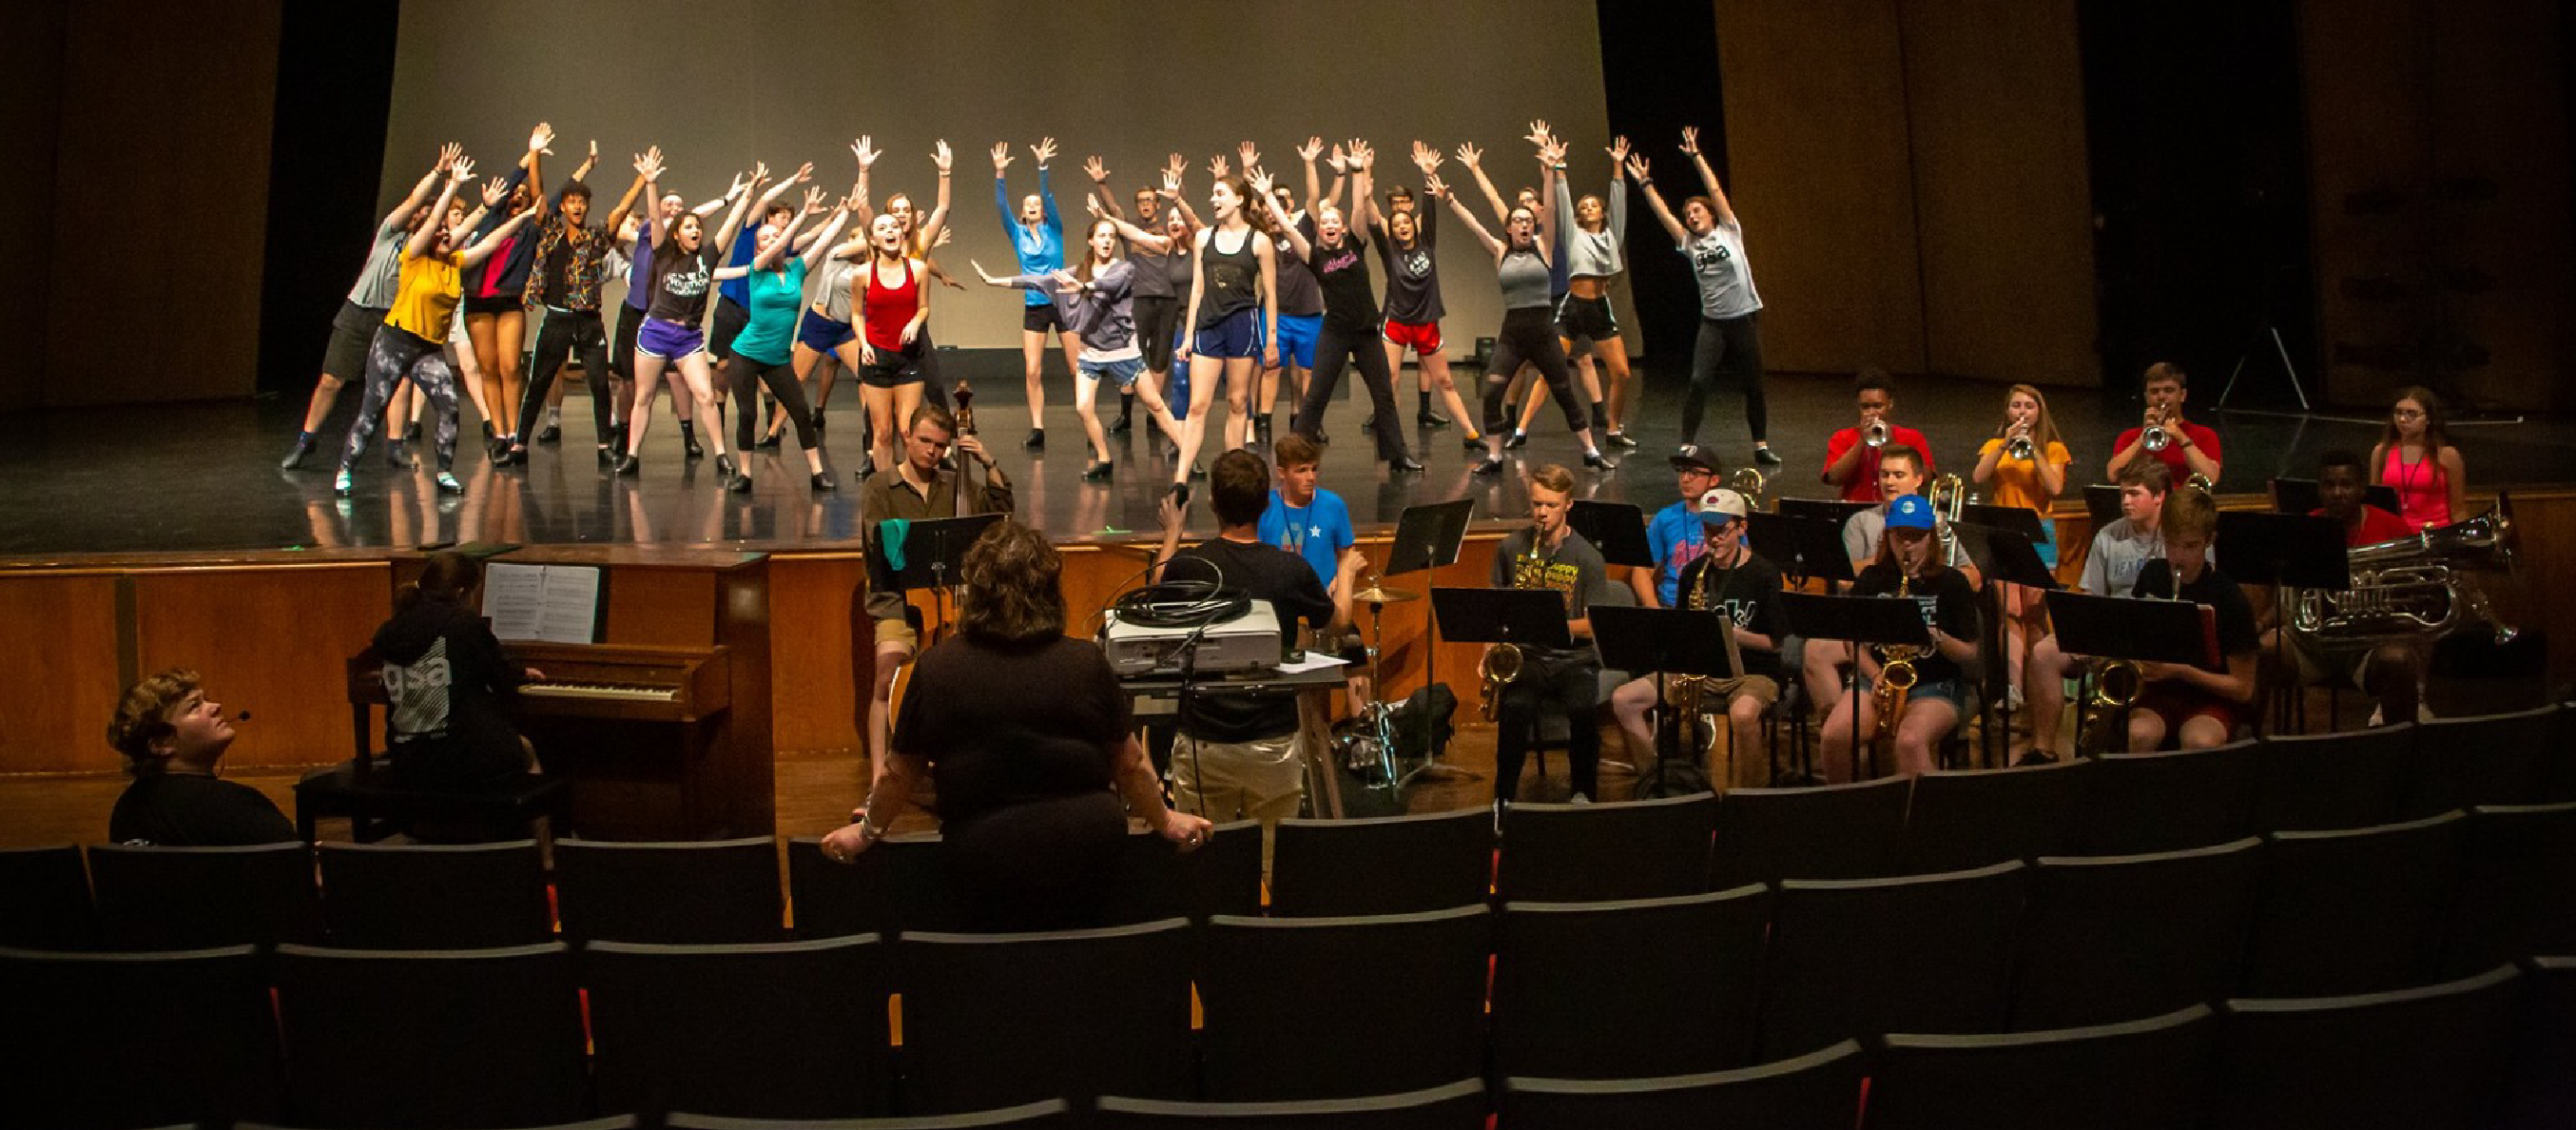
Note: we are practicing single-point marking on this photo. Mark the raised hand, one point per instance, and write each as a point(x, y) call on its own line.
point(1250, 154)
point(1177, 164)
point(648, 164)
point(1469, 155)
point(865, 150)
point(1001, 157)
point(946, 233)
point(1091, 203)
point(1432, 186)
point(461, 170)
point(759, 175)
point(1619, 150)
point(1340, 162)
point(1425, 157)
point(741, 183)
point(814, 205)
point(1362, 157)
point(1044, 151)
point(804, 172)
point(1098, 172)
point(940, 156)
point(540, 138)
point(1637, 167)
point(494, 193)
point(988, 276)
point(1308, 152)
point(1258, 178)
point(1690, 140)
point(1552, 153)
point(593, 159)
point(1171, 184)
point(1539, 134)
point(1218, 166)
point(447, 155)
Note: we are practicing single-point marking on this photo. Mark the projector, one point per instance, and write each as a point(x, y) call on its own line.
point(1247, 642)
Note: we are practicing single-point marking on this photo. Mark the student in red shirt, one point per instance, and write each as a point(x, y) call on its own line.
point(1852, 466)
point(2192, 450)
point(2390, 672)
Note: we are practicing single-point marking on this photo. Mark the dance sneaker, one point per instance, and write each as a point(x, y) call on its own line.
point(340, 483)
point(1599, 462)
point(295, 457)
point(1765, 456)
point(447, 484)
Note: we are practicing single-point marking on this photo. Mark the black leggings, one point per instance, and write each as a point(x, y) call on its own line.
point(1334, 347)
point(1573, 690)
point(395, 355)
point(934, 387)
point(565, 333)
point(740, 373)
point(621, 353)
point(1728, 345)
point(1529, 334)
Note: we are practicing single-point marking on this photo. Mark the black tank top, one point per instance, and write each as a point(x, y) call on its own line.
point(1231, 278)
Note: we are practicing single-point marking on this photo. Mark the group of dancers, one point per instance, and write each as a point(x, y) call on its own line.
point(1269, 294)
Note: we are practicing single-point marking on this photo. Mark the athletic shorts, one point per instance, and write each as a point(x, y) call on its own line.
point(731, 318)
point(1040, 319)
point(1578, 319)
point(2177, 703)
point(1420, 337)
point(351, 329)
point(892, 368)
point(821, 334)
point(1156, 318)
point(669, 341)
point(1297, 339)
point(1122, 372)
point(1236, 335)
point(491, 304)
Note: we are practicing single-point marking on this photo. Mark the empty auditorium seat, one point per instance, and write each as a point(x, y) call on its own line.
point(1384, 865)
point(775, 1030)
point(2150, 1074)
point(110, 1041)
point(899, 884)
point(1457, 1106)
point(1052, 1114)
point(2325, 782)
point(708, 893)
point(2513, 895)
point(992, 1019)
point(1157, 880)
point(1624, 990)
point(1316, 1008)
point(44, 899)
point(1585, 852)
point(2494, 759)
point(1817, 1091)
point(1823, 832)
point(2138, 803)
point(167, 898)
point(434, 896)
point(2353, 912)
point(403, 1039)
point(1865, 957)
point(1955, 821)
point(2117, 938)
point(2542, 1094)
point(2431, 1058)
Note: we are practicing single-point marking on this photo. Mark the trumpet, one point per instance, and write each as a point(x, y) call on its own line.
point(2018, 446)
point(2155, 437)
point(1501, 665)
point(1875, 435)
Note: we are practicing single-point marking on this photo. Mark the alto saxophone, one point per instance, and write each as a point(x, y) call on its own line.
point(1896, 674)
point(1502, 662)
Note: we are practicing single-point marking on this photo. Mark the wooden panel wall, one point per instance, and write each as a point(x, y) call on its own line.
point(55, 706)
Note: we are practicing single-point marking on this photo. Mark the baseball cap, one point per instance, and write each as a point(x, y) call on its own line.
point(1720, 502)
point(1909, 512)
point(1693, 456)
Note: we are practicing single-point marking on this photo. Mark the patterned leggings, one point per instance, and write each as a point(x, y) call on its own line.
point(396, 355)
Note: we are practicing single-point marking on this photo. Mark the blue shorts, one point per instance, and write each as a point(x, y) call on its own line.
point(1238, 335)
point(669, 341)
point(1122, 373)
point(821, 334)
point(1947, 690)
point(1297, 339)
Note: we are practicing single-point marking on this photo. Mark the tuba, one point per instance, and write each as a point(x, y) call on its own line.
point(2414, 588)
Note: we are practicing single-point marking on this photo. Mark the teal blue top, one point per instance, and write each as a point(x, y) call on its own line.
point(776, 297)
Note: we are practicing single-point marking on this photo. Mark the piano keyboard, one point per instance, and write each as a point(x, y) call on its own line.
point(626, 692)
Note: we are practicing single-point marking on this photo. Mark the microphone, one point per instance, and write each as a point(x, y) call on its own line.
point(244, 716)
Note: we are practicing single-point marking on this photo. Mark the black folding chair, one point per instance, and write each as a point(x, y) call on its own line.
point(2353, 912)
point(1862, 957)
point(782, 1030)
point(1824, 832)
point(405, 1039)
point(2150, 1074)
point(1384, 865)
point(172, 898)
point(1816, 1091)
point(1591, 852)
point(1404, 995)
point(2108, 939)
point(1956, 821)
point(2432, 1058)
point(1621, 990)
point(69, 1014)
point(1014, 1018)
point(434, 896)
point(711, 893)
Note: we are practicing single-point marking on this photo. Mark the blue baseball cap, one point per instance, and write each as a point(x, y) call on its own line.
point(1909, 512)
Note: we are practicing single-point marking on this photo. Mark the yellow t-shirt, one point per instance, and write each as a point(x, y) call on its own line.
point(425, 303)
point(2016, 481)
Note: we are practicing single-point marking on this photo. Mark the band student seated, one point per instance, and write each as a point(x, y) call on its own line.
point(2189, 448)
point(1901, 471)
point(1237, 755)
point(1851, 462)
point(1730, 579)
point(1548, 554)
point(2120, 550)
point(448, 684)
point(915, 487)
point(1675, 536)
point(2390, 671)
point(2199, 705)
point(1909, 558)
point(173, 738)
point(1028, 736)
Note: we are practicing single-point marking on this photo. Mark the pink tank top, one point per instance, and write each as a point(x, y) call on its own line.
point(2423, 489)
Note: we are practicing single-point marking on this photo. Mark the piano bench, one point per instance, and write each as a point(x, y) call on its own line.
point(377, 808)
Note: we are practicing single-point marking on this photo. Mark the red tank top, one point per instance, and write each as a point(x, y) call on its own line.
point(889, 308)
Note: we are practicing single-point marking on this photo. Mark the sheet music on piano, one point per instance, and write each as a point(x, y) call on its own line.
point(551, 603)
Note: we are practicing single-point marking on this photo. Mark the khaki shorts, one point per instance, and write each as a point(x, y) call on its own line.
point(1762, 689)
point(898, 632)
point(1263, 780)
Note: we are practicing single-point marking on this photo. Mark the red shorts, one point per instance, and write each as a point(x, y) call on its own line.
point(1423, 338)
point(2177, 704)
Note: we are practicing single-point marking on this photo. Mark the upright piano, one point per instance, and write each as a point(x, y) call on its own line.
point(646, 735)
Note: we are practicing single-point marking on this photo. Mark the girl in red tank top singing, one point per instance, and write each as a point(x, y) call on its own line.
point(894, 308)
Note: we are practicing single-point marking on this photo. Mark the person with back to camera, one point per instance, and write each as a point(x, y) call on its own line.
point(1027, 736)
point(448, 683)
point(173, 737)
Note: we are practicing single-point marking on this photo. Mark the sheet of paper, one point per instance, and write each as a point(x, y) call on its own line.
point(1314, 661)
point(514, 598)
point(571, 607)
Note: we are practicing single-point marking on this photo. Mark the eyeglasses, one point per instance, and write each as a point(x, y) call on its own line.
point(2408, 414)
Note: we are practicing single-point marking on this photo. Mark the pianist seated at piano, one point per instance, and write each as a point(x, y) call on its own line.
point(1025, 732)
point(448, 683)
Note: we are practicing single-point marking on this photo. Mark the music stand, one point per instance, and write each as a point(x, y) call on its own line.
point(2017, 519)
point(1667, 641)
point(1802, 547)
point(2103, 504)
point(934, 549)
point(1521, 617)
point(1429, 536)
point(1834, 510)
point(2301, 496)
point(2010, 556)
point(1861, 620)
point(2284, 551)
point(2112, 627)
point(1617, 529)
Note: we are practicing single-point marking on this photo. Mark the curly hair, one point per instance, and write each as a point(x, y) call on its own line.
point(1012, 590)
point(143, 716)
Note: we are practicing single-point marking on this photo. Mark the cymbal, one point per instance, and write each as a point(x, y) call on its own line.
point(1380, 594)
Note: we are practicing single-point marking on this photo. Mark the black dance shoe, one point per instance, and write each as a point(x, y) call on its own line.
point(1473, 443)
point(1036, 440)
point(397, 456)
point(1430, 419)
point(1097, 472)
point(823, 483)
point(551, 433)
point(296, 455)
point(1493, 465)
point(1599, 462)
point(739, 484)
point(1405, 464)
point(689, 446)
point(1766, 457)
point(1519, 440)
point(867, 468)
point(725, 468)
point(627, 466)
point(608, 458)
point(1620, 439)
point(768, 442)
point(1122, 424)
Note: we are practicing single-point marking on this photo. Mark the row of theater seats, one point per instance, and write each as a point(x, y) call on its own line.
point(761, 1035)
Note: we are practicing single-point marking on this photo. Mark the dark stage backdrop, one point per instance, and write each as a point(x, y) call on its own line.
point(1131, 82)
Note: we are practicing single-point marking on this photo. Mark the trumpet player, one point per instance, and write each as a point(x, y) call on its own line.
point(1548, 554)
point(1730, 579)
point(2198, 706)
point(2390, 671)
point(2185, 448)
point(2120, 550)
point(1852, 456)
point(2024, 465)
point(1675, 536)
point(1908, 565)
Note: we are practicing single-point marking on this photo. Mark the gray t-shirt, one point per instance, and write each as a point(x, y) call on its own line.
point(1725, 279)
point(1865, 528)
point(1590, 254)
point(1574, 571)
point(381, 280)
point(2120, 550)
point(832, 286)
point(1524, 279)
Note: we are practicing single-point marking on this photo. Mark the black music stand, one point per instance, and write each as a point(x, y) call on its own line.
point(1666, 641)
point(2284, 551)
point(2017, 519)
point(1861, 620)
point(1428, 536)
point(2102, 503)
point(2112, 627)
point(1802, 547)
point(1617, 529)
point(2007, 555)
point(1522, 617)
point(2301, 496)
point(934, 550)
point(1834, 510)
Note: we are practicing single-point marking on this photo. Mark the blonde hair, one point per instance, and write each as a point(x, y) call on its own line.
point(2190, 513)
point(143, 716)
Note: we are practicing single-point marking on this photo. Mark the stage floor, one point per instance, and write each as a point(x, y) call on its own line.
point(204, 477)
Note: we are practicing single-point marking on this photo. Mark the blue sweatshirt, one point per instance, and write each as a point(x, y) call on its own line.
point(738, 291)
point(1041, 249)
point(506, 271)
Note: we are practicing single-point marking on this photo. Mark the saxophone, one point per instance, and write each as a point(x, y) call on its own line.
point(1502, 662)
point(1896, 675)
